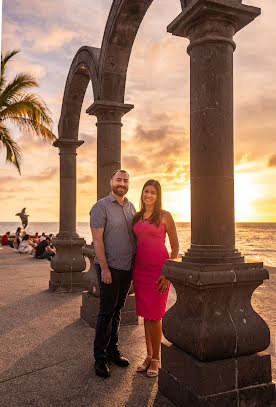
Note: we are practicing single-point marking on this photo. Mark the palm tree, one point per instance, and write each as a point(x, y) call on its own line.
point(27, 111)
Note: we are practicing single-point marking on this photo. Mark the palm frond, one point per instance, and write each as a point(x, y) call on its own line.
point(27, 126)
point(13, 152)
point(32, 113)
point(26, 110)
point(15, 89)
point(29, 105)
point(4, 60)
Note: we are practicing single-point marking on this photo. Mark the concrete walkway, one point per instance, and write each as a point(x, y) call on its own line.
point(46, 350)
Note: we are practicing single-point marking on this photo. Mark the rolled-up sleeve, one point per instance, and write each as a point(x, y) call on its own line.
point(98, 216)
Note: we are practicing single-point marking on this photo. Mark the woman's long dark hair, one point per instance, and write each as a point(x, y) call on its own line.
point(155, 217)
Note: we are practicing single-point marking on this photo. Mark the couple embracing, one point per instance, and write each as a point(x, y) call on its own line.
point(130, 245)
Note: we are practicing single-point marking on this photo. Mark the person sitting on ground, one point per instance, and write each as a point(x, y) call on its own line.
point(5, 241)
point(36, 238)
point(44, 251)
point(42, 237)
point(27, 245)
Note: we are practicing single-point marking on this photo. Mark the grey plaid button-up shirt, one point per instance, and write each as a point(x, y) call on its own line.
point(118, 236)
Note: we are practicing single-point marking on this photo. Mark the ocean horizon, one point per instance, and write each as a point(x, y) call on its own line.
point(256, 241)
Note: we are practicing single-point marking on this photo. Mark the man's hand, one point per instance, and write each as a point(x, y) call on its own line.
point(163, 284)
point(106, 276)
point(49, 249)
point(97, 235)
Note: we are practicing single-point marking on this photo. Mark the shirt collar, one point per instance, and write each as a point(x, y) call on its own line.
point(113, 199)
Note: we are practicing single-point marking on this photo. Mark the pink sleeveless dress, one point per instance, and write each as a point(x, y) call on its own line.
point(150, 257)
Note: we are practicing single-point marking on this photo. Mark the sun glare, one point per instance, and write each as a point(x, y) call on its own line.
point(179, 204)
point(245, 194)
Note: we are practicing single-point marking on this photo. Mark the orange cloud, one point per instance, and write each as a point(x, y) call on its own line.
point(54, 39)
point(86, 179)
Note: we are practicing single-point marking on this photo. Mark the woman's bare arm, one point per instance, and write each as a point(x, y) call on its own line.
point(167, 219)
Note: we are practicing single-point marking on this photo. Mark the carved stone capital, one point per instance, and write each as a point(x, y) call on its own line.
point(108, 112)
point(228, 15)
point(67, 146)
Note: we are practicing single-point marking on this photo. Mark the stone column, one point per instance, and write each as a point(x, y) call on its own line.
point(109, 124)
point(68, 263)
point(109, 115)
point(214, 332)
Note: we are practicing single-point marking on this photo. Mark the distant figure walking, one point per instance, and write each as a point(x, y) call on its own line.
point(5, 240)
point(44, 251)
point(17, 238)
point(24, 217)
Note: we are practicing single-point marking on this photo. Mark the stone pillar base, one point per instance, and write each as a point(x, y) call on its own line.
point(68, 257)
point(244, 381)
point(90, 308)
point(66, 282)
point(212, 255)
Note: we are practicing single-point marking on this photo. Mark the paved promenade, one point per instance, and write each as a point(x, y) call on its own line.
point(46, 350)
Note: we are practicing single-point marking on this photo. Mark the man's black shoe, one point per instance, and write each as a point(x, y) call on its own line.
point(101, 368)
point(118, 359)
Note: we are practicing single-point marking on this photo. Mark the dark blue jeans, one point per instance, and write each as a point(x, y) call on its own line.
point(9, 243)
point(112, 300)
point(46, 255)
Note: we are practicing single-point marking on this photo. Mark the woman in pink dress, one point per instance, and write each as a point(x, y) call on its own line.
point(151, 224)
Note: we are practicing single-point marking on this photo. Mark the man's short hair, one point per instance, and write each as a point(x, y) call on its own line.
point(48, 238)
point(115, 172)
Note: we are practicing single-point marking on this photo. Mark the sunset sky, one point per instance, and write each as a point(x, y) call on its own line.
point(155, 135)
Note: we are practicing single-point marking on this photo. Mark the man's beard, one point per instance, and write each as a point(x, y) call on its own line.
point(120, 191)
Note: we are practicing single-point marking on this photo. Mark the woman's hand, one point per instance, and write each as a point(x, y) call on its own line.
point(163, 284)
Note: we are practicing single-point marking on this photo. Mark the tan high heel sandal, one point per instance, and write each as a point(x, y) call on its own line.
point(143, 368)
point(152, 372)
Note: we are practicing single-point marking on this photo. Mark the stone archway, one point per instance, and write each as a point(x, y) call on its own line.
point(122, 26)
point(84, 68)
point(68, 262)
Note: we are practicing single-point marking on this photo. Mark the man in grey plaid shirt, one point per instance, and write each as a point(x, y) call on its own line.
point(111, 221)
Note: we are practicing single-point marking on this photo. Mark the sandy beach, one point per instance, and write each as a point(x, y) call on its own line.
point(46, 350)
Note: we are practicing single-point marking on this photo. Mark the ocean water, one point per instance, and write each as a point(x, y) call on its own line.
point(256, 241)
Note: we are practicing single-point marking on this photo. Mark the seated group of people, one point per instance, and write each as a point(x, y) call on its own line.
point(40, 247)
